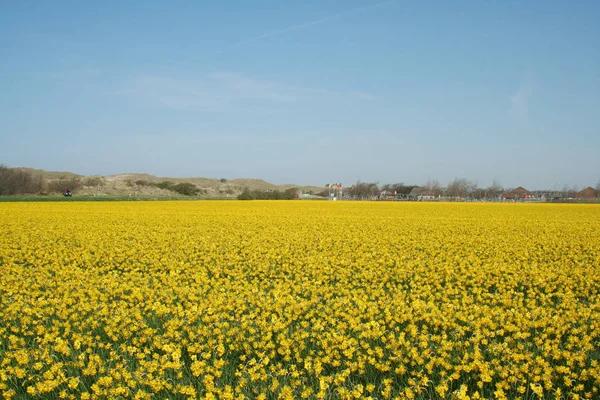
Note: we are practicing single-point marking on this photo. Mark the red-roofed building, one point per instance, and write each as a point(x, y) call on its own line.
point(588, 193)
point(519, 193)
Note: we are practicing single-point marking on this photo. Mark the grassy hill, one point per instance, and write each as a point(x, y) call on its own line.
point(141, 184)
point(50, 174)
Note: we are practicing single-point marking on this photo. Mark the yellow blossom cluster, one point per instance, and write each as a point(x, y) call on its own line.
point(299, 300)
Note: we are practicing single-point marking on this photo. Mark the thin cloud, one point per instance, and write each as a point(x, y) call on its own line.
point(520, 102)
point(308, 24)
point(520, 99)
point(222, 91)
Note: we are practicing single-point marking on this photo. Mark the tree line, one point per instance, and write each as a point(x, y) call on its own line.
point(288, 194)
point(21, 181)
point(15, 181)
point(458, 188)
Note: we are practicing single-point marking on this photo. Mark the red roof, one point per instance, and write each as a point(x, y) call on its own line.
point(588, 193)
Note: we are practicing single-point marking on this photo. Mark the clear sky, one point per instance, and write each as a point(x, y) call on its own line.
point(305, 92)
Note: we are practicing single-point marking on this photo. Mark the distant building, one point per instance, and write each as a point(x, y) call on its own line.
point(519, 193)
point(422, 194)
point(588, 193)
point(391, 196)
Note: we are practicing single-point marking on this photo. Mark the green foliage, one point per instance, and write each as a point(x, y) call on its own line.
point(399, 188)
point(165, 185)
point(246, 195)
point(288, 194)
point(187, 189)
point(143, 182)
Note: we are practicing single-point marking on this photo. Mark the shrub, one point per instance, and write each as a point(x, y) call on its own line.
point(288, 194)
point(19, 181)
point(245, 195)
point(143, 182)
point(187, 189)
point(62, 183)
point(94, 181)
point(165, 185)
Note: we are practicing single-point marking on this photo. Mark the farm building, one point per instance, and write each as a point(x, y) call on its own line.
point(422, 194)
point(588, 193)
point(519, 193)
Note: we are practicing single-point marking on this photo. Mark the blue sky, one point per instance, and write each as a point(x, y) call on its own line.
point(305, 92)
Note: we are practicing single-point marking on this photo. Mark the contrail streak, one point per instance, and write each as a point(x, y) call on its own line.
point(310, 23)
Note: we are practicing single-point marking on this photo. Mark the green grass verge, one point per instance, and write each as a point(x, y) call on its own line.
point(12, 199)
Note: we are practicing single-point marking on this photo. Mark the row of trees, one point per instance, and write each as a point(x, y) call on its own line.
point(288, 194)
point(458, 188)
point(15, 181)
point(461, 188)
point(362, 190)
point(21, 181)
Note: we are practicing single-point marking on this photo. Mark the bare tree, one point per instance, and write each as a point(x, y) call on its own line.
point(96, 181)
point(598, 185)
point(459, 188)
point(433, 187)
point(472, 188)
point(494, 190)
point(65, 182)
point(574, 190)
point(478, 193)
point(565, 191)
point(19, 181)
point(363, 190)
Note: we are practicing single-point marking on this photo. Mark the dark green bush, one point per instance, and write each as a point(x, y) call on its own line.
point(187, 189)
point(288, 194)
point(165, 185)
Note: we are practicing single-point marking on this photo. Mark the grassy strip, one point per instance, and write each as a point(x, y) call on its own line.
point(12, 199)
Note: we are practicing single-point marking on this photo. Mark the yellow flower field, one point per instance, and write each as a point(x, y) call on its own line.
point(299, 299)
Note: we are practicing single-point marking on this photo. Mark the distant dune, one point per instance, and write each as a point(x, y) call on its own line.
point(146, 185)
